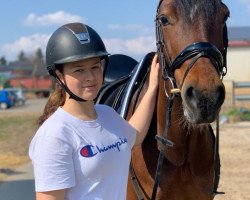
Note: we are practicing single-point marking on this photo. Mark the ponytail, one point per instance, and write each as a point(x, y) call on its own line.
point(56, 99)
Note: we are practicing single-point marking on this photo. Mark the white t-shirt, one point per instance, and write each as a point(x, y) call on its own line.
point(90, 159)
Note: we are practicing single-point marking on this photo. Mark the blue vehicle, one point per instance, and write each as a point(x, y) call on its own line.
point(6, 99)
point(19, 97)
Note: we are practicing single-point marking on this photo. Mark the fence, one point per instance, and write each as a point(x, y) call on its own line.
point(240, 91)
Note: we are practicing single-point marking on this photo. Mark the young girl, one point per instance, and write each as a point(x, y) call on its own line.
point(82, 151)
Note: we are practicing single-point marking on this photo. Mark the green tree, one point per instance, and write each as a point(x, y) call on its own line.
point(38, 62)
point(2, 81)
point(7, 84)
point(3, 61)
point(22, 56)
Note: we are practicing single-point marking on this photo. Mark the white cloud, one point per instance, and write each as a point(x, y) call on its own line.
point(57, 18)
point(133, 27)
point(136, 47)
point(27, 44)
point(138, 28)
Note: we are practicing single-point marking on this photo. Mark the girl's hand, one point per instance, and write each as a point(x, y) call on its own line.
point(154, 75)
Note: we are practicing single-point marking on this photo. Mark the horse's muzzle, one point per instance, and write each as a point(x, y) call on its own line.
point(203, 106)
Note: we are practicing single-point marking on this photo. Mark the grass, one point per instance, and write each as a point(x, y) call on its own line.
point(8, 123)
point(16, 133)
point(14, 125)
point(237, 114)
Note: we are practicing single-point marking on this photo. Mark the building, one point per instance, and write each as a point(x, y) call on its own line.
point(238, 57)
point(238, 64)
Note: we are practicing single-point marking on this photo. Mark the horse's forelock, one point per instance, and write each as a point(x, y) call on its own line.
point(193, 10)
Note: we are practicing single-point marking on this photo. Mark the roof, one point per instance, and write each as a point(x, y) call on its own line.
point(239, 36)
point(239, 43)
point(239, 33)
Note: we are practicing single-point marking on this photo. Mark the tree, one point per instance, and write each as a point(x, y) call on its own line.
point(22, 56)
point(3, 61)
point(7, 84)
point(39, 56)
point(38, 63)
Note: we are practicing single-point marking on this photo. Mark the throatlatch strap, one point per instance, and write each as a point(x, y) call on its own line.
point(217, 160)
point(135, 183)
point(164, 140)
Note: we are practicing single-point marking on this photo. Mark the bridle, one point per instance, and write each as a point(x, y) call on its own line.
point(194, 52)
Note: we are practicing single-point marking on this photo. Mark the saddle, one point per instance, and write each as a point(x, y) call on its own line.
point(123, 77)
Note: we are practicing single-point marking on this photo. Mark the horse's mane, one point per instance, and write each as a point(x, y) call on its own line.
point(204, 10)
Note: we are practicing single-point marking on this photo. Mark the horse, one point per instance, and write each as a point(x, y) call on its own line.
point(191, 44)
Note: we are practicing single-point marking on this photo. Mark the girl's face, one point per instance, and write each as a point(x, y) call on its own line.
point(84, 78)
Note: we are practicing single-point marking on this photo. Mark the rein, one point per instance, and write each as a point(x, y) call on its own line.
point(193, 52)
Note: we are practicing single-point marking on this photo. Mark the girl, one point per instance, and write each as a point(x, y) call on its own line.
point(82, 151)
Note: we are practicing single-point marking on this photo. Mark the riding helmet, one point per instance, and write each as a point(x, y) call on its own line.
point(73, 42)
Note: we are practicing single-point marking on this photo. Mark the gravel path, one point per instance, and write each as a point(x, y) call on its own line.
point(19, 185)
point(31, 106)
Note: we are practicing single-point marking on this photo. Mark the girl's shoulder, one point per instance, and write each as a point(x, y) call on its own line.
point(104, 109)
point(57, 125)
point(106, 113)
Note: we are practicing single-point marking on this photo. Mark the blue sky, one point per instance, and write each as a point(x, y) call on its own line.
point(126, 26)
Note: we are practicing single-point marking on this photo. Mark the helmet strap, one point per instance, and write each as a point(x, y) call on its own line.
point(66, 89)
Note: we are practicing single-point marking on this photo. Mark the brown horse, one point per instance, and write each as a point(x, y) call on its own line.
point(192, 51)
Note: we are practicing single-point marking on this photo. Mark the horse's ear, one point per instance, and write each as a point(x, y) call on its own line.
point(225, 36)
point(225, 42)
point(159, 5)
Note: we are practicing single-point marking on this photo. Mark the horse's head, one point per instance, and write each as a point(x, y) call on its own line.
point(191, 35)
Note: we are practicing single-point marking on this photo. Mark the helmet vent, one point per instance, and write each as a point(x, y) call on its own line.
point(83, 37)
point(80, 31)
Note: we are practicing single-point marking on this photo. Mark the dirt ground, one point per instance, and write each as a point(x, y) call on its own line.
point(235, 161)
point(234, 152)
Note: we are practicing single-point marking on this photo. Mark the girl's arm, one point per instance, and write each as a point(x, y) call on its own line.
point(142, 117)
point(51, 195)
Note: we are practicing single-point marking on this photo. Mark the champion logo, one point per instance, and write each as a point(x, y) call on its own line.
point(87, 151)
point(90, 150)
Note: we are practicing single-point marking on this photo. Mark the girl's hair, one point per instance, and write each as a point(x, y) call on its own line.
point(56, 99)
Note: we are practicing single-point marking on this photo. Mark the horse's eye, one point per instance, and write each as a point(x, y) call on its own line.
point(164, 20)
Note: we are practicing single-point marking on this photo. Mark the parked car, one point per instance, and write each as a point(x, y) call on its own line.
point(19, 97)
point(6, 99)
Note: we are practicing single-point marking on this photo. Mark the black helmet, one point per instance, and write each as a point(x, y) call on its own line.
point(73, 42)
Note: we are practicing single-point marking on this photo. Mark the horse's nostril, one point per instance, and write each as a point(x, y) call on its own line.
point(220, 92)
point(189, 92)
point(191, 97)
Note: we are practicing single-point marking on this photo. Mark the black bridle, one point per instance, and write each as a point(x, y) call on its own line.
point(193, 52)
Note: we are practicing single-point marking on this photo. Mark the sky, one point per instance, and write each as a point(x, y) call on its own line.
point(126, 26)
